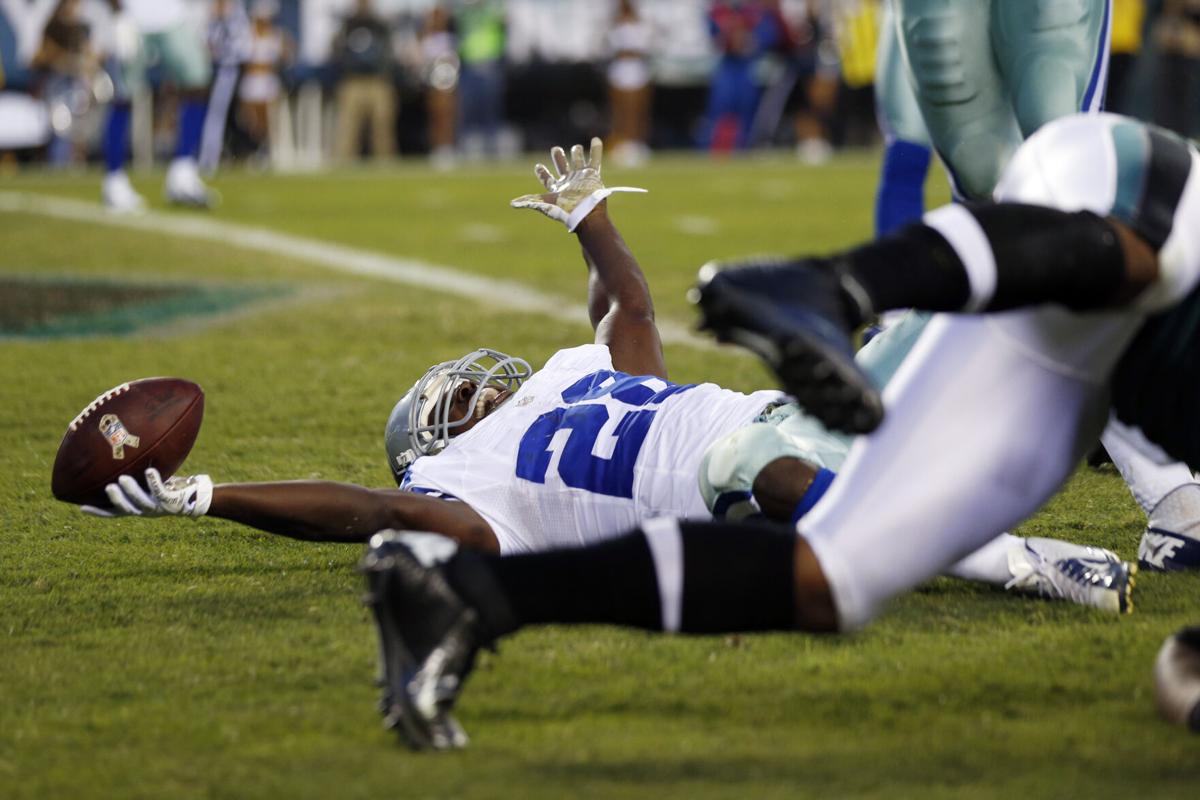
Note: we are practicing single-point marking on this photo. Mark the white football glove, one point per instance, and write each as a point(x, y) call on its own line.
point(179, 496)
point(576, 190)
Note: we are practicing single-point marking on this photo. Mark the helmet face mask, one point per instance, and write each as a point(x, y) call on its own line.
point(420, 423)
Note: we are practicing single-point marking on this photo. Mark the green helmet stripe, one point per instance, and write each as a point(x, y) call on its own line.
point(1152, 170)
point(1131, 145)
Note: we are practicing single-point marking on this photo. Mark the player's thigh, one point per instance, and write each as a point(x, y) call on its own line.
point(184, 56)
point(959, 89)
point(983, 425)
point(1053, 55)
point(896, 102)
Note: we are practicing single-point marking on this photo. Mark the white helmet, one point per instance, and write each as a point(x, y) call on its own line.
point(420, 425)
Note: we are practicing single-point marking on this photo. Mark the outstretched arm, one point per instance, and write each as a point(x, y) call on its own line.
point(316, 511)
point(324, 511)
point(619, 303)
point(616, 284)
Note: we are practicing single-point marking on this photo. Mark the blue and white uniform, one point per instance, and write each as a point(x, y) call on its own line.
point(582, 452)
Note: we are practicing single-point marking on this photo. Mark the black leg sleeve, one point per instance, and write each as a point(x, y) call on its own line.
point(1048, 256)
point(1038, 255)
point(737, 577)
point(734, 578)
point(611, 582)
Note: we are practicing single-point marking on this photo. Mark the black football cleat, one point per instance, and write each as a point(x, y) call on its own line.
point(793, 316)
point(428, 637)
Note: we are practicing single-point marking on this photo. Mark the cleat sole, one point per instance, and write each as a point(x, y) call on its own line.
point(826, 382)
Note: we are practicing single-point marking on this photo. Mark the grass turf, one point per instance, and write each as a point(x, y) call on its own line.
point(170, 658)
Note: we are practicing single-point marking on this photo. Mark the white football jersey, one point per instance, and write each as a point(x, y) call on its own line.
point(582, 452)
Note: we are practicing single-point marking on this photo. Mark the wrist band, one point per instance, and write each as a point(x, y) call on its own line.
point(585, 207)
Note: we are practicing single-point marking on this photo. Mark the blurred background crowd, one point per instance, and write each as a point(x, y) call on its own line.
point(298, 84)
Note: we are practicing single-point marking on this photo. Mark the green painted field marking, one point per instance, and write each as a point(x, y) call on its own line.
point(63, 306)
point(339, 258)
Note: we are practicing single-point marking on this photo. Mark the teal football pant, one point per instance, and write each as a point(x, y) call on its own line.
point(897, 109)
point(988, 73)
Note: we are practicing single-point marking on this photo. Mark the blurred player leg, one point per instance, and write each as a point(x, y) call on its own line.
point(186, 61)
point(212, 140)
point(988, 73)
point(1150, 475)
point(1050, 60)
point(1053, 56)
point(436, 605)
point(383, 120)
point(1047, 567)
point(976, 392)
point(732, 466)
point(1166, 491)
point(1034, 565)
point(117, 192)
point(350, 108)
point(960, 91)
point(900, 198)
point(128, 73)
point(229, 40)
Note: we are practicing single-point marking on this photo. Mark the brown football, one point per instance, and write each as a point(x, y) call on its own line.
point(152, 422)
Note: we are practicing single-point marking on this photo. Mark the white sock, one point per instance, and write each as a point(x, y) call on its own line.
point(1179, 511)
point(964, 233)
point(989, 564)
point(1149, 472)
point(666, 549)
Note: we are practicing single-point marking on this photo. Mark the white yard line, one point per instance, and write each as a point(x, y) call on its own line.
point(335, 257)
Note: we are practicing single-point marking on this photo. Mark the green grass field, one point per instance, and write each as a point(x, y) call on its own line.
point(178, 659)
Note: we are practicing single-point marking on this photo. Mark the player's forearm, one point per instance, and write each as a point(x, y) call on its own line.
point(598, 300)
point(319, 511)
point(616, 272)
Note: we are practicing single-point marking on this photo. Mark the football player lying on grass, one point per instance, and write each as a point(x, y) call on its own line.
point(503, 459)
point(985, 419)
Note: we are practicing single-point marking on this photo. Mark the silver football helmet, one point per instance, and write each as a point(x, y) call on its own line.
point(420, 424)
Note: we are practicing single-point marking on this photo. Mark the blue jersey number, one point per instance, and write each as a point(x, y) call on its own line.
point(581, 424)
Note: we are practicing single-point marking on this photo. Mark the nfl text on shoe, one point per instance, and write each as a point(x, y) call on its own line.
point(1172, 538)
